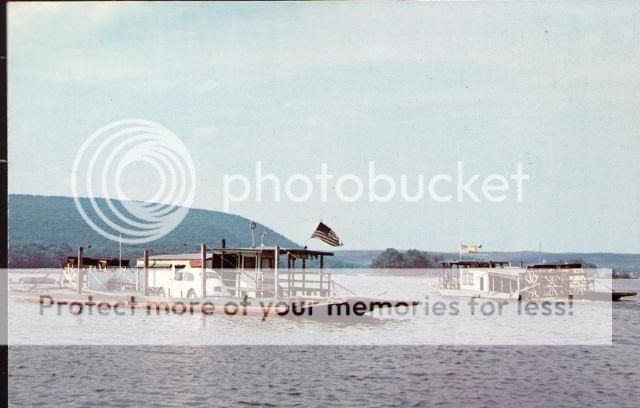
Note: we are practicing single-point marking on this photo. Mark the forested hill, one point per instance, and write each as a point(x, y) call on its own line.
point(45, 230)
point(391, 258)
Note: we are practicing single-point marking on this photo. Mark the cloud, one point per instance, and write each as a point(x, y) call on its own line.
point(29, 20)
point(205, 131)
point(209, 85)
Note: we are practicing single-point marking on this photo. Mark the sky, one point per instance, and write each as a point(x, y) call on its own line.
point(414, 87)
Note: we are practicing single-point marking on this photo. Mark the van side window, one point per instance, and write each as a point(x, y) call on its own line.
point(179, 274)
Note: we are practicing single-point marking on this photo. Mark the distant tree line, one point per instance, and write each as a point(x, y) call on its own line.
point(621, 275)
point(392, 258)
point(38, 255)
point(54, 255)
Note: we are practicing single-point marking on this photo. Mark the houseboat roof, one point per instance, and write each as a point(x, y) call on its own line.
point(556, 266)
point(474, 264)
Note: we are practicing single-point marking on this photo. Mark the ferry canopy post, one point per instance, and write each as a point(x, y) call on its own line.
point(203, 260)
point(276, 262)
point(146, 271)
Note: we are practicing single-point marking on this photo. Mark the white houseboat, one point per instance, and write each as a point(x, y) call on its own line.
point(500, 280)
point(480, 279)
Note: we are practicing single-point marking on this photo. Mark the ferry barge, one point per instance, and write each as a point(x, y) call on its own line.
point(215, 276)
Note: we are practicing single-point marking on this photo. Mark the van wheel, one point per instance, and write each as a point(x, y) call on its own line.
point(161, 292)
point(191, 294)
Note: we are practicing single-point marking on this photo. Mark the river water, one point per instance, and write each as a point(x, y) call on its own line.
point(392, 363)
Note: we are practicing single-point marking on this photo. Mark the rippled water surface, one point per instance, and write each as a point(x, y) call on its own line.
point(334, 375)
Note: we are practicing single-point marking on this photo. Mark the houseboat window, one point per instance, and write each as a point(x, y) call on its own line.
point(249, 262)
point(265, 263)
point(467, 278)
point(188, 276)
point(178, 276)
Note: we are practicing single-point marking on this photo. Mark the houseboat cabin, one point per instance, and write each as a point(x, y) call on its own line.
point(501, 281)
point(479, 279)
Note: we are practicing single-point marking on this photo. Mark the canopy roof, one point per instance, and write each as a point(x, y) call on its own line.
point(295, 252)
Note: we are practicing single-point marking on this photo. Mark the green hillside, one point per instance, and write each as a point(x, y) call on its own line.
point(45, 230)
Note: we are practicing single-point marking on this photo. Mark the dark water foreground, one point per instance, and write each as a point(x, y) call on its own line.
point(336, 375)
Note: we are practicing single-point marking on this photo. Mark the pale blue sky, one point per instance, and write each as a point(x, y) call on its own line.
point(413, 86)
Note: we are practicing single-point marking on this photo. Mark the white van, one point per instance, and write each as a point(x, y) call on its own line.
point(185, 282)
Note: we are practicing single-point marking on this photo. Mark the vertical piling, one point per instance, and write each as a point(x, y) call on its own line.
point(304, 276)
point(203, 259)
point(80, 271)
point(276, 264)
point(146, 272)
point(321, 268)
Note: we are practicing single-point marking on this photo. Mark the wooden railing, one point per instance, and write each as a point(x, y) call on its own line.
point(291, 283)
point(306, 283)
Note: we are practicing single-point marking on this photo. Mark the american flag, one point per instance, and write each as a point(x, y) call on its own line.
point(469, 249)
point(326, 235)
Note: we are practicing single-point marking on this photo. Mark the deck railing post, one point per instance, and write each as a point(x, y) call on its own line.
point(203, 259)
point(276, 264)
point(80, 271)
point(146, 272)
point(304, 276)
